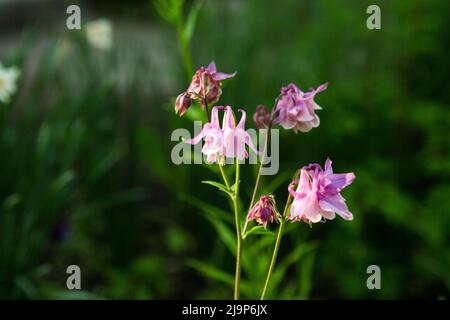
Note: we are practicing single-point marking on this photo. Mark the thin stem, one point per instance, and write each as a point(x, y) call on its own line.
point(238, 234)
point(205, 101)
point(258, 177)
point(224, 176)
point(278, 241)
point(274, 258)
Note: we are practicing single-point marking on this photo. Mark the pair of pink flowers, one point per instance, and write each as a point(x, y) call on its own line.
point(205, 87)
point(228, 141)
point(316, 197)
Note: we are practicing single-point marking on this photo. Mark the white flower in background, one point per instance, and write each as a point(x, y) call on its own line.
point(8, 79)
point(99, 34)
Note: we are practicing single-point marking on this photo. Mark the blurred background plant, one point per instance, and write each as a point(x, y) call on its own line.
point(86, 176)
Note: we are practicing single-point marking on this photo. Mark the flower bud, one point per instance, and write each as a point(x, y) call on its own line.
point(264, 211)
point(182, 103)
point(261, 117)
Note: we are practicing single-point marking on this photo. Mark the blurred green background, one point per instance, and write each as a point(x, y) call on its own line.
point(85, 170)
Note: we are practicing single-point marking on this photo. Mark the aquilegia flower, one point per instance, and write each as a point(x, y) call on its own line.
point(99, 34)
point(8, 79)
point(264, 211)
point(295, 109)
point(318, 194)
point(261, 117)
point(226, 142)
point(205, 85)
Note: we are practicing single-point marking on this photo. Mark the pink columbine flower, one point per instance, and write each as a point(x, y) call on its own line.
point(295, 109)
point(264, 211)
point(227, 141)
point(318, 194)
point(205, 85)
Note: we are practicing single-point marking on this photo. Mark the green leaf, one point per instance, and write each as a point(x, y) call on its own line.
point(212, 272)
point(191, 21)
point(258, 230)
point(221, 221)
point(11, 201)
point(170, 10)
point(294, 257)
point(218, 185)
point(208, 209)
point(224, 232)
point(305, 275)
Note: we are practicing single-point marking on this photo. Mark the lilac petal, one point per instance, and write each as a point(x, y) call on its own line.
point(304, 183)
point(314, 105)
point(294, 193)
point(215, 117)
point(338, 181)
point(228, 119)
point(335, 203)
point(322, 87)
point(303, 127)
point(213, 142)
point(241, 124)
point(211, 68)
point(247, 140)
point(300, 113)
point(234, 145)
point(211, 158)
point(203, 133)
point(291, 88)
point(328, 168)
point(295, 211)
point(310, 207)
point(219, 76)
point(328, 214)
point(231, 144)
point(313, 92)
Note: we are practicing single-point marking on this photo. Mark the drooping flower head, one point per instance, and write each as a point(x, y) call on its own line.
point(8, 79)
point(227, 141)
point(264, 211)
point(261, 117)
point(205, 85)
point(318, 194)
point(295, 109)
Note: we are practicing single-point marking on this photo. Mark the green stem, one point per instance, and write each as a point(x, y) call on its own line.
point(274, 258)
point(237, 217)
point(224, 176)
point(205, 101)
point(278, 241)
point(258, 177)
